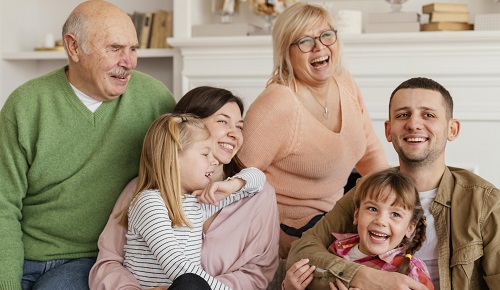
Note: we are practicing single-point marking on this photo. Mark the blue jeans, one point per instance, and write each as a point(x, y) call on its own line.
point(189, 281)
point(57, 274)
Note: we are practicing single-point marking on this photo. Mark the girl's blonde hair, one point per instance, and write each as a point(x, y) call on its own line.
point(403, 187)
point(290, 26)
point(168, 135)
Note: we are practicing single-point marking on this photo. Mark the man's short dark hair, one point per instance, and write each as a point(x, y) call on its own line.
point(427, 84)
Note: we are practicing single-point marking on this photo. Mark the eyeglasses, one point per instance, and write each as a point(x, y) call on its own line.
point(308, 43)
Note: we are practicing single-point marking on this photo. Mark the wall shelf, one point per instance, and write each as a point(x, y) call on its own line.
point(467, 58)
point(61, 55)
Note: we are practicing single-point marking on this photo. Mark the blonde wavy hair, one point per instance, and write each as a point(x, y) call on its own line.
point(159, 168)
point(290, 26)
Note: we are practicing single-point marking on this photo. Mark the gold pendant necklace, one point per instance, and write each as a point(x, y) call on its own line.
point(326, 113)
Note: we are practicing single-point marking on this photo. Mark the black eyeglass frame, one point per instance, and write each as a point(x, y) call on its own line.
point(297, 43)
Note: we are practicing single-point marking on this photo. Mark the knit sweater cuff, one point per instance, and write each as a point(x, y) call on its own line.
point(10, 285)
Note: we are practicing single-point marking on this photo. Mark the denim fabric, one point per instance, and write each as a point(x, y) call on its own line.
point(57, 274)
point(189, 281)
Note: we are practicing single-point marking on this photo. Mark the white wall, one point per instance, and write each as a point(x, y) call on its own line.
point(24, 24)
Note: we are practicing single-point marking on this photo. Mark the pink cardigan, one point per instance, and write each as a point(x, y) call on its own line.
point(240, 248)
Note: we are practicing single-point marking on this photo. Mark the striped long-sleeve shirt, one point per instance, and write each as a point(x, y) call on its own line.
point(157, 253)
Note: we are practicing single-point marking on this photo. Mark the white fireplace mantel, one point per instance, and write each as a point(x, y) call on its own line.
point(467, 63)
point(469, 59)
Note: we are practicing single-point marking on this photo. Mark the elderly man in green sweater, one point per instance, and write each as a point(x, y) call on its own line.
point(69, 142)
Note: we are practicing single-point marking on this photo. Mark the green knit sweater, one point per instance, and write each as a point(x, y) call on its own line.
point(62, 167)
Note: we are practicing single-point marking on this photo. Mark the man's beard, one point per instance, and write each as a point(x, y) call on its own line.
point(421, 160)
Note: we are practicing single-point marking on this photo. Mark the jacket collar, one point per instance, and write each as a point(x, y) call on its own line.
point(445, 189)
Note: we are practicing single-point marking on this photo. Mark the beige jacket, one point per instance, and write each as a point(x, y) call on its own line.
point(467, 218)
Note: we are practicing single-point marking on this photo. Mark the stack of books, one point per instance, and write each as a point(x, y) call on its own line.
point(446, 16)
point(393, 22)
point(153, 28)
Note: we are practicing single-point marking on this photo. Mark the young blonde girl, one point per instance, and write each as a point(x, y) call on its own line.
point(391, 226)
point(165, 218)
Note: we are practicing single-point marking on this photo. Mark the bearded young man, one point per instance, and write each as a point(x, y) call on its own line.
point(462, 250)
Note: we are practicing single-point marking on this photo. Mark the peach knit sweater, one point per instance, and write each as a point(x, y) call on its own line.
point(306, 163)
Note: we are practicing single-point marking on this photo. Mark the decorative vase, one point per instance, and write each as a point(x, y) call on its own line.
point(269, 9)
point(225, 9)
point(396, 5)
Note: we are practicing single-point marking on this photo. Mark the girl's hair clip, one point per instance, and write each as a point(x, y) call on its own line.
point(408, 256)
point(184, 119)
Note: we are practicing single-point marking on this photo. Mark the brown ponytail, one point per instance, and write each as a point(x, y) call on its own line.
point(415, 243)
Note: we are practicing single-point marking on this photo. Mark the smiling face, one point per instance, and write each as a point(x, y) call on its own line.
point(101, 67)
point(317, 65)
point(197, 163)
point(382, 225)
point(419, 127)
point(226, 126)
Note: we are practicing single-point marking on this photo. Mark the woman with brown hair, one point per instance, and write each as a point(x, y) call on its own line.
point(250, 258)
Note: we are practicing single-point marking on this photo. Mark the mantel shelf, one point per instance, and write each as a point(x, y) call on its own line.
point(61, 55)
point(372, 39)
point(466, 60)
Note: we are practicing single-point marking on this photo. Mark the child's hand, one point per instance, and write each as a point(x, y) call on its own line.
point(299, 275)
point(218, 190)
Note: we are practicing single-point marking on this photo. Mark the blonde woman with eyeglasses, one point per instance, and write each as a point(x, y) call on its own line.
point(309, 128)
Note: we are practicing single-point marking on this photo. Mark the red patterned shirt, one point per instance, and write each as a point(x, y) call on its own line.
point(389, 261)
